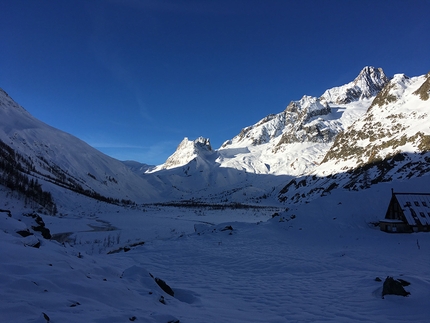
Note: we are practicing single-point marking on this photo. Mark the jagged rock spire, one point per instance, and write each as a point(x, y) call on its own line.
point(187, 151)
point(367, 84)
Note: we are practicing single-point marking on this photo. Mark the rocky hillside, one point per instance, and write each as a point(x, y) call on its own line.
point(391, 141)
point(294, 141)
point(310, 119)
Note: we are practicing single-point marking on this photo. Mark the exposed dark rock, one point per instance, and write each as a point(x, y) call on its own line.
point(46, 317)
point(424, 90)
point(394, 287)
point(166, 288)
point(8, 212)
point(24, 233)
point(40, 227)
point(403, 282)
point(226, 228)
point(127, 248)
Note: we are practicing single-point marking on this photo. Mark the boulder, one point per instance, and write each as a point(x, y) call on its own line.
point(166, 288)
point(394, 287)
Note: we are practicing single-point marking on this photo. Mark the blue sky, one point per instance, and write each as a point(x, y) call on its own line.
point(134, 77)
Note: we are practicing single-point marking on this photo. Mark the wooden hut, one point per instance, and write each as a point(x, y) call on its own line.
point(407, 212)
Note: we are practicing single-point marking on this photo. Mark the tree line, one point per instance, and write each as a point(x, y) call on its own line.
point(14, 174)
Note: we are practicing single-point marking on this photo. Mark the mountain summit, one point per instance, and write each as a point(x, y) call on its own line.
point(187, 151)
point(367, 84)
point(295, 140)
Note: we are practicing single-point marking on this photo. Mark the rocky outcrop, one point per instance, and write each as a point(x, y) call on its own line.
point(424, 90)
point(367, 84)
point(393, 286)
point(303, 125)
point(187, 151)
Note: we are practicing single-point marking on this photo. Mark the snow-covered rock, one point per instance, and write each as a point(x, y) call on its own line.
point(366, 85)
point(294, 141)
point(390, 142)
point(187, 151)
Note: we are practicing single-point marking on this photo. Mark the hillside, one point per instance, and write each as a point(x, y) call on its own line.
point(52, 156)
point(390, 142)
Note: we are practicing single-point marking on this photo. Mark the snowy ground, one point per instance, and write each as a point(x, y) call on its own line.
point(315, 263)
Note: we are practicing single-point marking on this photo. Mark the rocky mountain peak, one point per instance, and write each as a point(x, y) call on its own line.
point(367, 84)
point(187, 151)
point(370, 80)
point(203, 143)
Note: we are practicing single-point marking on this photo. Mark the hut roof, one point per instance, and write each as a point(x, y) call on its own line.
point(416, 207)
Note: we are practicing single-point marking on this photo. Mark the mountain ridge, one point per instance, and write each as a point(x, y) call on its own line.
point(344, 131)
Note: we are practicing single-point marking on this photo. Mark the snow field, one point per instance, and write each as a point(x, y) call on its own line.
point(319, 266)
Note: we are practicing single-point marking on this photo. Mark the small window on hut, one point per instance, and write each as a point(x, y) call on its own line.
point(422, 214)
point(408, 203)
point(416, 203)
point(424, 203)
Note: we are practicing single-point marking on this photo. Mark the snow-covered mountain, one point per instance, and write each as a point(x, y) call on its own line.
point(294, 141)
point(57, 159)
point(187, 151)
point(355, 125)
point(365, 86)
point(348, 128)
point(390, 142)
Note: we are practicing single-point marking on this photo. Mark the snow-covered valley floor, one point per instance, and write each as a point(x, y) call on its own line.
point(223, 266)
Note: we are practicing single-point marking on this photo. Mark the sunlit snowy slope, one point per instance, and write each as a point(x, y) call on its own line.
point(390, 142)
point(51, 155)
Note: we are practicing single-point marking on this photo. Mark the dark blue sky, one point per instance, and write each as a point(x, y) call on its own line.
point(133, 77)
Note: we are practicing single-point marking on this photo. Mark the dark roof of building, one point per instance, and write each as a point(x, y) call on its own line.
point(415, 206)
